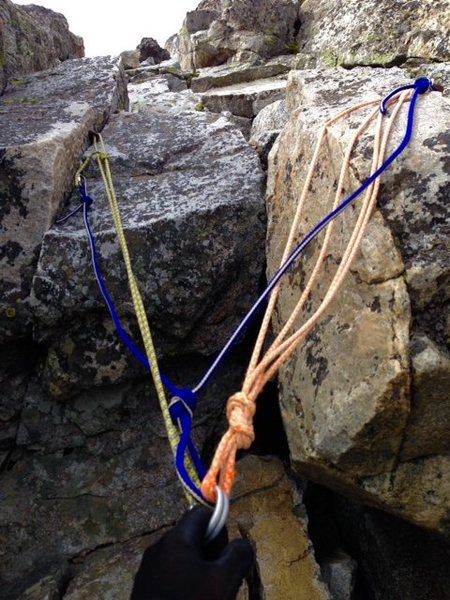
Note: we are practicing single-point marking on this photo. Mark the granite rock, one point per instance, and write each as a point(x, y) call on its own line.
point(374, 32)
point(339, 573)
point(230, 74)
point(38, 159)
point(130, 59)
point(149, 48)
point(266, 127)
point(399, 561)
point(265, 509)
point(358, 429)
point(245, 99)
point(95, 472)
point(33, 38)
point(236, 31)
point(193, 190)
point(164, 94)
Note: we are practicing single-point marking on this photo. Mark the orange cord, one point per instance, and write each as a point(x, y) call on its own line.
point(242, 405)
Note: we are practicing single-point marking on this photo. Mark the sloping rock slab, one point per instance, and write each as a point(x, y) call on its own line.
point(370, 431)
point(374, 33)
point(45, 120)
point(156, 96)
point(191, 196)
point(264, 511)
point(245, 99)
point(231, 74)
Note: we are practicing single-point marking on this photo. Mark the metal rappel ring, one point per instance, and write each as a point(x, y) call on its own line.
point(219, 516)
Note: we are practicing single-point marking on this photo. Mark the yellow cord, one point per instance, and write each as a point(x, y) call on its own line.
point(172, 432)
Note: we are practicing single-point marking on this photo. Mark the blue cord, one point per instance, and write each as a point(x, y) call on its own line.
point(184, 400)
point(420, 87)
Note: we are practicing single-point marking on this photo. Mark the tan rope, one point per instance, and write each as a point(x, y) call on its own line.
point(241, 406)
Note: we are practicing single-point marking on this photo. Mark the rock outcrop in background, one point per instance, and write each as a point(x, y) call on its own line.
point(86, 478)
point(33, 38)
point(221, 31)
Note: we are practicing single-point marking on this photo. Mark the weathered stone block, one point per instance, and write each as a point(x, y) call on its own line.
point(245, 99)
point(374, 32)
point(33, 38)
point(357, 416)
point(192, 206)
point(45, 120)
point(247, 30)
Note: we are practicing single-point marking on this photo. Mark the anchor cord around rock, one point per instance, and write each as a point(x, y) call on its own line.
point(222, 471)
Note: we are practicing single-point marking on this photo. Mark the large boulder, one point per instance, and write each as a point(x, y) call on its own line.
point(373, 32)
point(45, 121)
point(190, 194)
point(33, 38)
point(237, 31)
point(366, 400)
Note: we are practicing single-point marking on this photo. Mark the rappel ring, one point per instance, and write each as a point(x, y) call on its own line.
point(219, 516)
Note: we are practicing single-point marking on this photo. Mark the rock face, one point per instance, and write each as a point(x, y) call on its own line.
point(400, 561)
point(176, 192)
point(149, 48)
point(245, 99)
point(339, 573)
point(236, 31)
point(93, 472)
point(373, 32)
point(265, 510)
point(86, 477)
point(72, 463)
point(358, 429)
point(33, 38)
point(38, 160)
point(266, 127)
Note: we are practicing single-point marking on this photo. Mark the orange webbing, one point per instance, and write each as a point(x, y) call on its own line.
point(241, 406)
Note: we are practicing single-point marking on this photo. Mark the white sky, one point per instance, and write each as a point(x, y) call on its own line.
point(109, 27)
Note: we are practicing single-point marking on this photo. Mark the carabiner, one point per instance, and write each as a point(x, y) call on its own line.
point(219, 516)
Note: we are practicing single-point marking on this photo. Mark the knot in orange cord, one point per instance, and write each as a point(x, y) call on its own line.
point(240, 411)
point(240, 434)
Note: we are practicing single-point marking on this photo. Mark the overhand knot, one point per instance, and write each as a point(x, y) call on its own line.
point(240, 411)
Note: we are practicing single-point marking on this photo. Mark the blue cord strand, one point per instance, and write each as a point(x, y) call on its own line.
point(421, 86)
point(187, 400)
